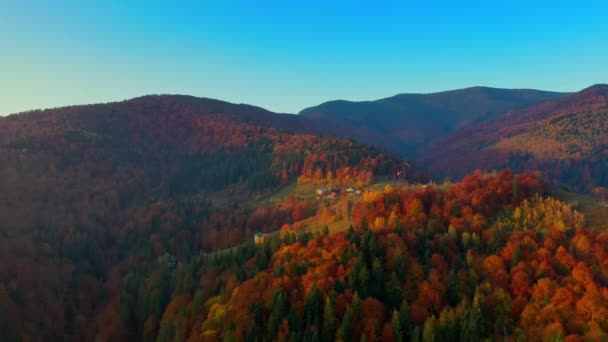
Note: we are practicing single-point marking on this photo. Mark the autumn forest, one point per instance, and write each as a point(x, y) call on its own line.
point(175, 218)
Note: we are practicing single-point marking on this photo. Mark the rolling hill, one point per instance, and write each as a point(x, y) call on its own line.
point(566, 139)
point(86, 191)
point(480, 260)
point(405, 123)
point(134, 221)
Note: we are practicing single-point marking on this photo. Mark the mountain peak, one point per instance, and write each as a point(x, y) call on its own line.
point(591, 98)
point(598, 85)
point(596, 89)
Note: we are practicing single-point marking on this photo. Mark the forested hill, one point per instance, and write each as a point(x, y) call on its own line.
point(86, 191)
point(566, 139)
point(405, 123)
point(135, 221)
point(488, 258)
point(156, 140)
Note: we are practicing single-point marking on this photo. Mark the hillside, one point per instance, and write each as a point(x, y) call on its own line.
point(87, 191)
point(488, 258)
point(134, 221)
point(407, 122)
point(566, 139)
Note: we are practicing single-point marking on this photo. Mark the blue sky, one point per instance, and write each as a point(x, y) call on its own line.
point(287, 55)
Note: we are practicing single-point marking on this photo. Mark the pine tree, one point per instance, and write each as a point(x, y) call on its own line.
point(469, 324)
point(378, 279)
point(313, 305)
point(393, 291)
point(399, 263)
point(279, 308)
point(329, 321)
point(362, 281)
point(197, 302)
point(416, 335)
point(347, 325)
point(429, 333)
point(294, 321)
point(351, 235)
point(405, 320)
point(397, 330)
point(369, 247)
point(398, 227)
point(452, 288)
point(356, 306)
point(447, 326)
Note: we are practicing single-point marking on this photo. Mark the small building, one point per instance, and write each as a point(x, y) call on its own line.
point(573, 203)
point(322, 191)
point(333, 193)
point(259, 237)
point(351, 190)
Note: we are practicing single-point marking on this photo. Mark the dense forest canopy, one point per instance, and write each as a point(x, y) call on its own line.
point(490, 257)
point(87, 191)
point(174, 218)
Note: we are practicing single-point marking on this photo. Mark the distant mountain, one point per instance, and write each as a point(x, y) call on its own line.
point(407, 122)
point(567, 139)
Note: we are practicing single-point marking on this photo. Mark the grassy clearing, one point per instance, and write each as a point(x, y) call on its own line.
point(282, 194)
point(334, 227)
point(339, 226)
point(301, 191)
point(307, 192)
point(595, 211)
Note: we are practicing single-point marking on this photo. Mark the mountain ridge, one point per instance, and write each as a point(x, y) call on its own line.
point(398, 95)
point(403, 123)
point(547, 136)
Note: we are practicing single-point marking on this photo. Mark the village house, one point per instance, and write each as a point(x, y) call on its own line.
point(334, 193)
point(258, 238)
point(322, 191)
point(328, 193)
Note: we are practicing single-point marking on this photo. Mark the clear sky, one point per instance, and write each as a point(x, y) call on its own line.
point(287, 55)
